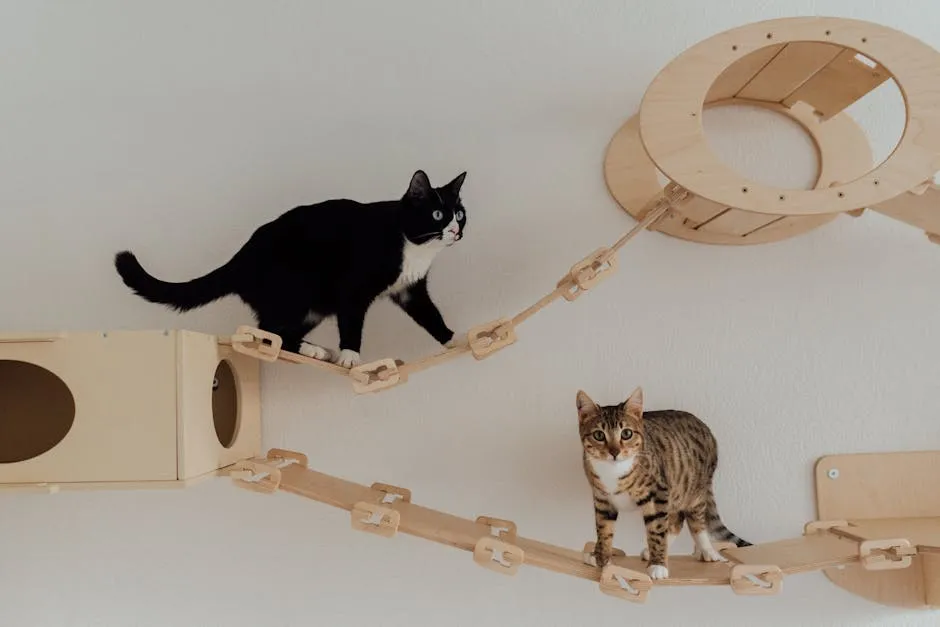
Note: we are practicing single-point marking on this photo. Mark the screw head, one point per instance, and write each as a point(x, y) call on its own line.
point(833, 473)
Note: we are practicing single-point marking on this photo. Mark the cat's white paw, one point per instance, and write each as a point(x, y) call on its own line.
point(316, 352)
point(657, 571)
point(708, 555)
point(348, 358)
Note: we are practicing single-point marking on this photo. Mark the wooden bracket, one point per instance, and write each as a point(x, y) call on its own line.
point(500, 528)
point(256, 343)
point(486, 339)
point(886, 554)
point(375, 518)
point(256, 476)
point(392, 493)
point(587, 273)
point(753, 579)
point(587, 554)
point(501, 557)
point(820, 526)
point(624, 583)
point(284, 455)
point(376, 375)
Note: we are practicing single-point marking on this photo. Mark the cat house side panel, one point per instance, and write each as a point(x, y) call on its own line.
point(219, 405)
point(88, 407)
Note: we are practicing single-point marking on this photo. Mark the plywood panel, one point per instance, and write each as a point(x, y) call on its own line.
point(866, 488)
point(921, 532)
point(199, 446)
point(876, 485)
point(788, 70)
point(795, 555)
point(839, 84)
point(124, 386)
point(738, 222)
point(737, 75)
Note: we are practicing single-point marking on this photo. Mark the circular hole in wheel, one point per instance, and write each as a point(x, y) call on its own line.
point(37, 411)
point(225, 404)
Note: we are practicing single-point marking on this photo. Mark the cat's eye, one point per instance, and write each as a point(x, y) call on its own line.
point(599, 435)
point(626, 434)
point(438, 215)
point(460, 214)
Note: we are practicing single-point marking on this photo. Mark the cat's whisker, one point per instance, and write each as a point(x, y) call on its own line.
point(419, 238)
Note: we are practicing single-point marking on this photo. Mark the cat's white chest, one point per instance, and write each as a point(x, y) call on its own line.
point(416, 262)
point(609, 474)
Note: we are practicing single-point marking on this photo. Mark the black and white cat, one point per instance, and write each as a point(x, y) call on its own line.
point(331, 258)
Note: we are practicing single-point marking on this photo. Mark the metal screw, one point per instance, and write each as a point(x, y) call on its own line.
point(833, 473)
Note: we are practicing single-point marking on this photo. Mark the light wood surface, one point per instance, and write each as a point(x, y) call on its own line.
point(143, 409)
point(672, 132)
point(798, 555)
point(496, 544)
point(843, 153)
point(861, 489)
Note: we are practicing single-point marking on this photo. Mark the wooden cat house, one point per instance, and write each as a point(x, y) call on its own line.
point(123, 409)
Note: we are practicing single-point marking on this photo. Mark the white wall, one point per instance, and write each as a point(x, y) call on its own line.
point(175, 128)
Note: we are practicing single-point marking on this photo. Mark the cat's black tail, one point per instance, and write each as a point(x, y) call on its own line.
point(178, 296)
point(716, 528)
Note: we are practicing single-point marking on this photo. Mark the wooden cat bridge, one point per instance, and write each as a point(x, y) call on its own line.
point(808, 69)
point(146, 409)
point(852, 543)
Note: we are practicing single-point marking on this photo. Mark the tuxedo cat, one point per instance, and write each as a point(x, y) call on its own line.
point(333, 258)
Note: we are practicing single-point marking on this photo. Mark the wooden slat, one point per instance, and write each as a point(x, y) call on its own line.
point(921, 532)
point(789, 69)
point(740, 72)
point(738, 222)
point(798, 555)
point(698, 210)
point(839, 84)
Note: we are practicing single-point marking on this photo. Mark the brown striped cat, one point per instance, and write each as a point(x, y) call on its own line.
point(658, 462)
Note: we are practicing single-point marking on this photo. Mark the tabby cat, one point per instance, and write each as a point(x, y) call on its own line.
point(660, 462)
point(333, 258)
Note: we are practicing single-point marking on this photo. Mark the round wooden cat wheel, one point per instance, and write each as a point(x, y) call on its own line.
point(810, 70)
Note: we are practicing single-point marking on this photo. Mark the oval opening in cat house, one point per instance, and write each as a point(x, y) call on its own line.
point(37, 411)
point(225, 404)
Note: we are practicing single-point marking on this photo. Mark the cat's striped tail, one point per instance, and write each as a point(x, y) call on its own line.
point(716, 528)
point(179, 296)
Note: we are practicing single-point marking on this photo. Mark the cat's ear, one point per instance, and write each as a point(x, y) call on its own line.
point(454, 186)
point(420, 186)
point(634, 405)
point(586, 407)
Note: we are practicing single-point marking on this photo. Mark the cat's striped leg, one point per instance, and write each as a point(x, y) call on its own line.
point(698, 527)
point(674, 528)
point(656, 521)
point(605, 518)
